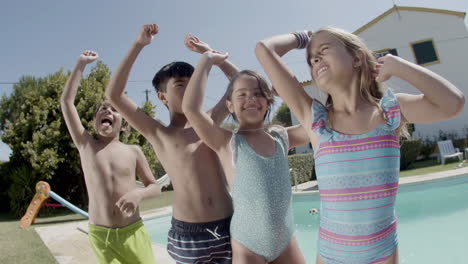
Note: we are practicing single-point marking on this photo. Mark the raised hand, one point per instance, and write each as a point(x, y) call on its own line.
point(88, 56)
point(147, 33)
point(216, 57)
point(195, 44)
point(386, 69)
point(128, 203)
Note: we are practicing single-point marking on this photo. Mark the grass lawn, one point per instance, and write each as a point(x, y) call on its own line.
point(20, 246)
point(429, 166)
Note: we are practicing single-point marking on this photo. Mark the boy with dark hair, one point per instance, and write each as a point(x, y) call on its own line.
point(202, 207)
point(173, 69)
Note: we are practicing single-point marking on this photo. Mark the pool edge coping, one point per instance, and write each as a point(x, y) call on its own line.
point(410, 180)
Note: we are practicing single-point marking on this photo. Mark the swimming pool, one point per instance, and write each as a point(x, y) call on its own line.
point(432, 222)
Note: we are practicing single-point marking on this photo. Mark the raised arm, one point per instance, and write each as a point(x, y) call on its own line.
point(440, 100)
point(129, 201)
point(214, 136)
point(219, 112)
point(297, 136)
point(269, 52)
point(115, 89)
point(196, 45)
point(67, 101)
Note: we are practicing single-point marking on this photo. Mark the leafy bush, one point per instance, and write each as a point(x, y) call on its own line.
point(428, 147)
point(409, 151)
point(282, 116)
point(461, 143)
point(303, 166)
point(4, 185)
point(22, 189)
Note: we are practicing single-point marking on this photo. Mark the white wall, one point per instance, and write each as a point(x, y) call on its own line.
point(451, 42)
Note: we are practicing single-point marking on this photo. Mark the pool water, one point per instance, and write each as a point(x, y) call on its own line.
point(432, 222)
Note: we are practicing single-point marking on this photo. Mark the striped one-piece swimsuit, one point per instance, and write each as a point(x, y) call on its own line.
point(358, 181)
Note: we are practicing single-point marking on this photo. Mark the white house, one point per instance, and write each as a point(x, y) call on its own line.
point(434, 38)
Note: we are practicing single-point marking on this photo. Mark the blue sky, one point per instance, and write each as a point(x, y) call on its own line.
point(40, 37)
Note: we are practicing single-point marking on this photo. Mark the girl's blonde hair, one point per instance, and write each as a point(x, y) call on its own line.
point(370, 90)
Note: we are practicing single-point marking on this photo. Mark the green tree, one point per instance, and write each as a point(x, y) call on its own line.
point(282, 116)
point(33, 127)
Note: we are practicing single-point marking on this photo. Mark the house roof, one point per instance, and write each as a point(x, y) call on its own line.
point(401, 8)
point(409, 8)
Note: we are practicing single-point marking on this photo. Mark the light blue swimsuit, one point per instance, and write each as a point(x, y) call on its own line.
point(261, 194)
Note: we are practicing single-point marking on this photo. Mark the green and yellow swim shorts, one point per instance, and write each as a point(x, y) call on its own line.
point(129, 244)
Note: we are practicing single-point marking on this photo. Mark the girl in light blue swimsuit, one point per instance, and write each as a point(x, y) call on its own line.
point(255, 163)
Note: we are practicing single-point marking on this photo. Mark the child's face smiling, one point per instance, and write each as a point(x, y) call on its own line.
point(247, 101)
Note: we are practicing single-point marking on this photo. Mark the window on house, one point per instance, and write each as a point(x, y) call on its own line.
point(383, 52)
point(411, 128)
point(424, 52)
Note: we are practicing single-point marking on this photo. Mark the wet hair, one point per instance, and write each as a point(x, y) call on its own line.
point(262, 85)
point(173, 69)
point(370, 90)
point(124, 128)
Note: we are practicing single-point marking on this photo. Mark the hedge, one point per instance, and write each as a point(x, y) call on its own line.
point(303, 166)
point(409, 151)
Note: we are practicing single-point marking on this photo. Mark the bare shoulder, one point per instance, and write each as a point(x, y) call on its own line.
point(88, 143)
point(158, 134)
point(156, 129)
point(134, 149)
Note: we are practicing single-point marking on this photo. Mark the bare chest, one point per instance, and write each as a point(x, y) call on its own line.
point(110, 161)
point(185, 145)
